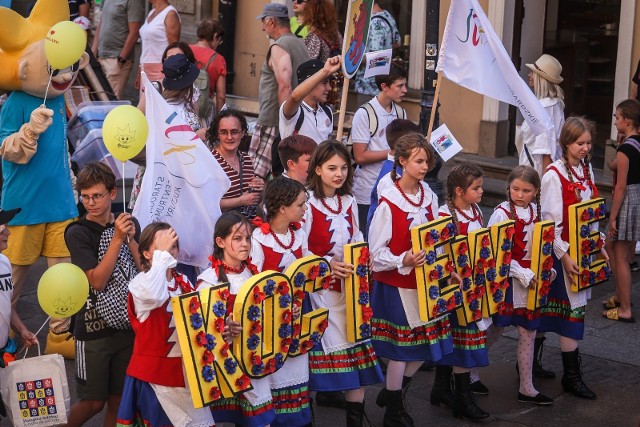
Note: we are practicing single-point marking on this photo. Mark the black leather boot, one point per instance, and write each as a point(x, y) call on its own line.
point(355, 414)
point(572, 377)
point(334, 399)
point(441, 392)
point(538, 371)
point(396, 414)
point(383, 396)
point(464, 406)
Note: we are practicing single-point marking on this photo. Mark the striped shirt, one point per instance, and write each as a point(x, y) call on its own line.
point(247, 174)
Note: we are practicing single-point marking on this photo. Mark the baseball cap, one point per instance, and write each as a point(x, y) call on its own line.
point(274, 9)
point(308, 69)
point(7, 215)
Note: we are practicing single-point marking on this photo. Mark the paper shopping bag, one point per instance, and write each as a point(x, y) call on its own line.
point(35, 391)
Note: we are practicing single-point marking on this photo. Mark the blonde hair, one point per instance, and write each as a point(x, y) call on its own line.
point(545, 89)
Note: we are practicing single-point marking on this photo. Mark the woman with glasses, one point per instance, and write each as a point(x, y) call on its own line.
point(225, 134)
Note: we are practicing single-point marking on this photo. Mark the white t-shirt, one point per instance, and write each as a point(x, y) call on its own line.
point(154, 36)
point(6, 292)
point(365, 176)
point(316, 124)
point(539, 145)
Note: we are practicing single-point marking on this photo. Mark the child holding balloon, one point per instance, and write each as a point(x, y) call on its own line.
point(230, 263)
point(105, 246)
point(155, 391)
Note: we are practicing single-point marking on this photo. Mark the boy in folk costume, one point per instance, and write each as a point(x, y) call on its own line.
point(35, 159)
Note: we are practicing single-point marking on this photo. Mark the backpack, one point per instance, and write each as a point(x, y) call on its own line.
point(204, 104)
point(373, 121)
point(277, 168)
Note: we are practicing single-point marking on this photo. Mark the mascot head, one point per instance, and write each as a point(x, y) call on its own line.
point(23, 64)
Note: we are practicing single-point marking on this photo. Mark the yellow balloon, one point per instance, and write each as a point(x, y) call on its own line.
point(64, 45)
point(124, 132)
point(63, 290)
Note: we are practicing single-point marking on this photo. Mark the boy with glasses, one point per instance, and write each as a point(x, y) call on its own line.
point(104, 245)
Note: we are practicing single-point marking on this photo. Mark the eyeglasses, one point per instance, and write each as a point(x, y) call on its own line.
point(233, 132)
point(95, 198)
point(299, 1)
point(73, 68)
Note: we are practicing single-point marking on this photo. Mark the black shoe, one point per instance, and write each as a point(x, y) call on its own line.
point(396, 414)
point(572, 377)
point(333, 399)
point(464, 405)
point(538, 399)
point(441, 392)
point(479, 388)
point(538, 371)
point(634, 266)
point(355, 414)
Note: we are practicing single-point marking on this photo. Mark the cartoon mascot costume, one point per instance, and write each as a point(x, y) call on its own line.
point(35, 159)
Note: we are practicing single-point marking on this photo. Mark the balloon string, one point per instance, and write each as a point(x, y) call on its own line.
point(124, 199)
point(45, 322)
point(48, 86)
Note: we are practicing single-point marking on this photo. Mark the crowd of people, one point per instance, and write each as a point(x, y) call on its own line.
point(298, 192)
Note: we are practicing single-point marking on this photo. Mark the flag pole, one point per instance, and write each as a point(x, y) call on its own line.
point(343, 108)
point(434, 107)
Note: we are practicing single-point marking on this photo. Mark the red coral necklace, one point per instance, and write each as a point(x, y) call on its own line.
point(477, 215)
point(514, 213)
point(278, 241)
point(329, 208)
point(411, 202)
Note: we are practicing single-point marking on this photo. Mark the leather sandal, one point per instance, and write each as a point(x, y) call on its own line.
point(613, 315)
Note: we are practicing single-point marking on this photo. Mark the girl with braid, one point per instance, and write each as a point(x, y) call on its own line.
point(464, 192)
point(398, 333)
point(523, 206)
point(568, 180)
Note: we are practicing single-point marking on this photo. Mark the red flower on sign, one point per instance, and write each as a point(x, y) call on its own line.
point(506, 258)
point(549, 234)
point(600, 243)
point(480, 290)
point(255, 359)
point(243, 382)
point(286, 316)
point(285, 344)
point(428, 240)
point(504, 284)
point(433, 275)
point(270, 367)
point(471, 296)
point(194, 305)
point(466, 271)
point(215, 393)
point(283, 288)
point(224, 294)
point(258, 296)
point(364, 284)
point(586, 246)
point(367, 313)
point(585, 276)
point(494, 287)
point(449, 266)
point(296, 329)
point(585, 215)
point(207, 357)
point(463, 248)
point(364, 256)
point(201, 338)
point(451, 303)
point(547, 264)
point(218, 325)
point(256, 327)
point(481, 264)
point(444, 234)
point(307, 345)
point(509, 232)
point(298, 295)
point(224, 350)
point(491, 263)
point(601, 275)
point(477, 315)
point(313, 272)
point(485, 241)
point(326, 282)
point(322, 326)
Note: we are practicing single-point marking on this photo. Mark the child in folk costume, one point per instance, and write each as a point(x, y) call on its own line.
point(275, 245)
point(155, 392)
point(464, 192)
point(397, 332)
point(568, 180)
point(625, 212)
point(331, 221)
point(523, 206)
point(230, 263)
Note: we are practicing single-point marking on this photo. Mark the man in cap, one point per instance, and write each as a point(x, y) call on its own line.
point(304, 111)
point(277, 80)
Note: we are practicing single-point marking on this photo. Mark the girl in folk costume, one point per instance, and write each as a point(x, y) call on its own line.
point(331, 221)
point(464, 192)
point(275, 245)
point(569, 180)
point(523, 206)
point(230, 263)
point(155, 392)
point(397, 332)
point(624, 229)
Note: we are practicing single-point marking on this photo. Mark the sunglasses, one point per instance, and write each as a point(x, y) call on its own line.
point(299, 1)
point(54, 72)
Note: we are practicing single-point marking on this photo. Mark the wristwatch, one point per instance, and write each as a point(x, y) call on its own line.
point(122, 60)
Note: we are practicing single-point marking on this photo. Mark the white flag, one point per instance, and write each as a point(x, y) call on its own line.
point(378, 62)
point(472, 55)
point(183, 182)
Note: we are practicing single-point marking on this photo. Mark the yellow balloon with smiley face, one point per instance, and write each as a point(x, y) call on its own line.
point(124, 132)
point(63, 290)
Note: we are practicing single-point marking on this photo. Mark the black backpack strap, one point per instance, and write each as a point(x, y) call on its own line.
point(299, 122)
point(299, 30)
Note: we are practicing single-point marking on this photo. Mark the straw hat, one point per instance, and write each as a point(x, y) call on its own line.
point(548, 68)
